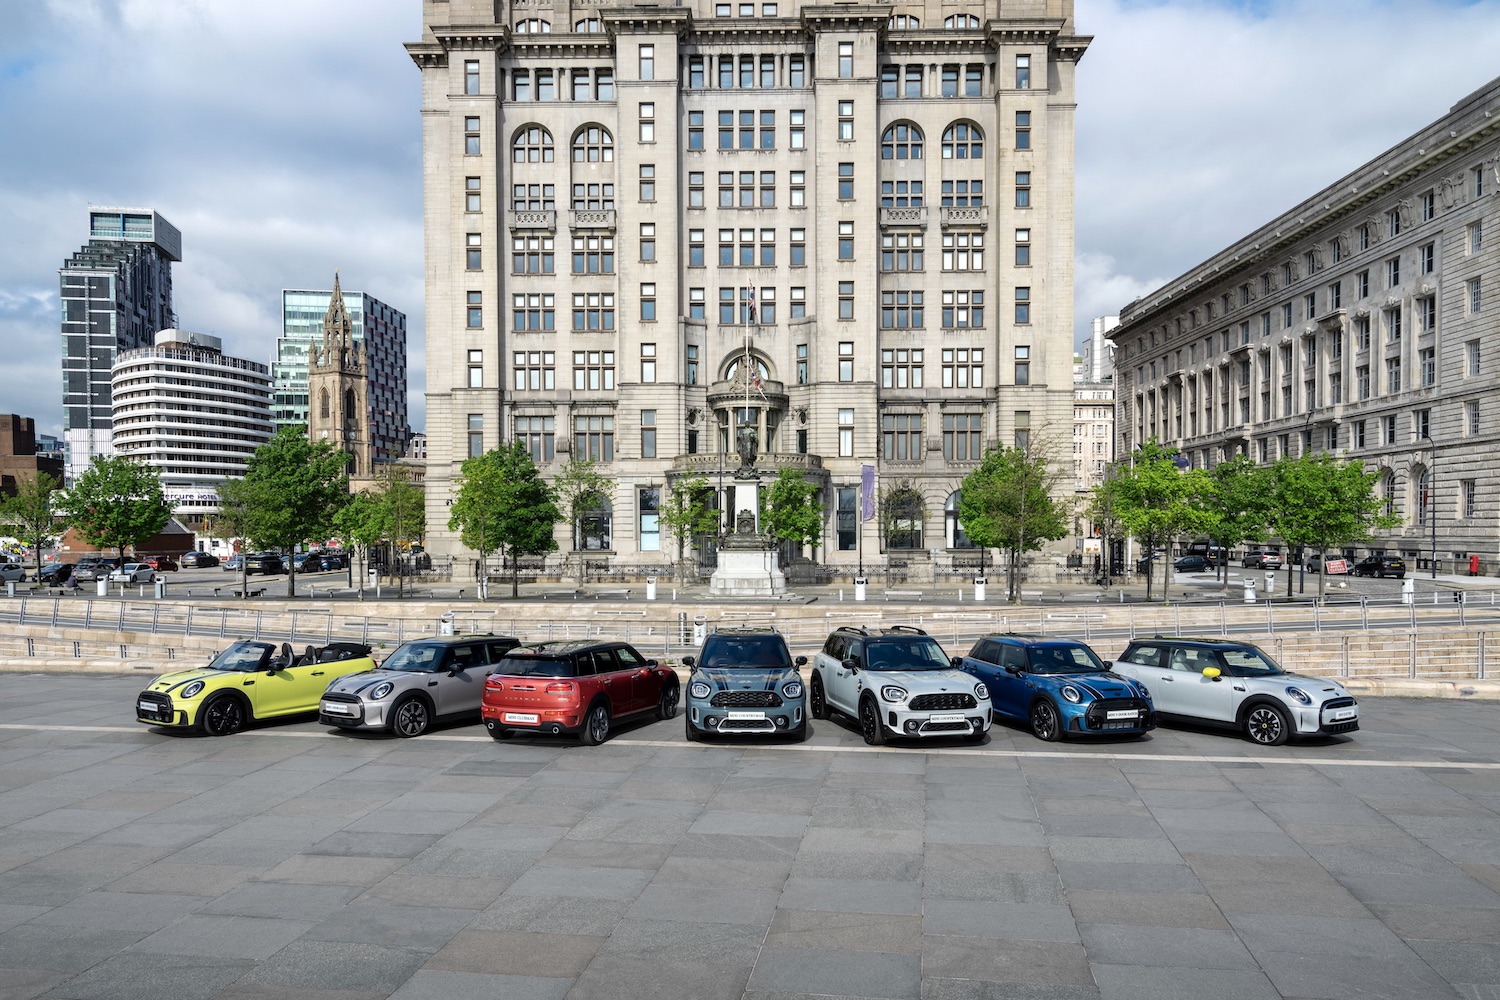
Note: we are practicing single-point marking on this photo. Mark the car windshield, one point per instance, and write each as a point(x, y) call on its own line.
point(536, 666)
point(915, 653)
point(243, 657)
point(1247, 661)
point(746, 651)
point(416, 658)
point(1064, 658)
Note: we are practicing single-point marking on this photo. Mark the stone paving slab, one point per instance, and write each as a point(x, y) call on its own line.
point(289, 864)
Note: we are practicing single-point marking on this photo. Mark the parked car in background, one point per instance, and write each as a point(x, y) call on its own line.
point(137, 572)
point(1262, 560)
point(1059, 686)
point(199, 560)
point(162, 564)
point(249, 680)
point(233, 563)
point(92, 568)
point(264, 563)
point(897, 681)
point(1192, 564)
point(419, 683)
point(55, 574)
point(12, 573)
point(307, 562)
point(334, 560)
point(1239, 685)
point(1381, 566)
point(744, 682)
point(580, 686)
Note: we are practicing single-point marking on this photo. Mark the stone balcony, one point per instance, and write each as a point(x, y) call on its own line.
point(711, 462)
point(899, 218)
point(603, 218)
point(978, 215)
point(532, 220)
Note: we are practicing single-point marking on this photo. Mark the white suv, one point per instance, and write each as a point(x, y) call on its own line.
point(896, 682)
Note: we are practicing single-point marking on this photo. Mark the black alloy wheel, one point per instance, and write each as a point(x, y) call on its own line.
point(666, 708)
point(1267, 725)
point(410, 717)
point(817, 703)
point(223, 716)
point(869, 723)
point(1045, 724)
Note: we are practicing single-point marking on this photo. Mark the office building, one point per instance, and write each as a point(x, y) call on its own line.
point(1360, 323)
point(116, 294)
point(848, 227)
point(1098, 356)
point(192, 412)
point(380, 332)
point(21, 459)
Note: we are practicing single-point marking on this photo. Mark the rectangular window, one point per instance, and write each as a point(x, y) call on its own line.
point(532, 312)
point(1023, 129)
point(768, 130)
point(593, 370)
point(801, 364)
point(846, 300)
point(1393, 272)
point(846, 433)
point(726, 129)
point(846, 240)
point(848, 515)
point(1023, 188)
point(1362, 381)
point(535, 370)
point(594, 311)
point(648, 435)
point(647, 123)
point(1427, 360)
point(797, 134)
point(1471, 417)
point(533, 197)
point(1421, 424)
point(1471, 498)
point(890, 81)
point(1023, 306)
point(901, 309)
point(1476, 237)
point(1393, 325)
point(901, 368)
point(473, 257)
point(1426, 314)
point(648, 303)
point(799, 302)
point(1392, 374)
point(648, 182)
point(649, 498)
point(1358, 439)
point(798, 248)
point(648, 62)
point(726, 306)
point(1429, 206)
point(594, 438)
point(963, 309)
point(913, 86)
point(1023, 248)
point(1023, 365)
point(963, 437)
point(1471, 358)
point(901, 437)
point(963, 251)
point(533, 254)
point(846, 181)
point(475, 310)
point(798, 185)
point(1023, 72)
point(846, 121)
point(846, 60)
point(695, 248)
point(1361, 333)
point(536, 435)
point(472, 192)
point(973, 79)
point(846, 361)
point(796, 72)
point(471, 76)
point(695, 76)
point(476, 435)
point(901, 252)
point(1393, 222)
point(1474, 295)
point(471, 136)
point(1478, 174)
point(949, 85)
point(692, 359)
point(593, 255)
point(1023, 429)
point(546, 87)
point(476, 370)
point(604, 84)
point(747, 130)
point(1362, 285)
point(1427, 258)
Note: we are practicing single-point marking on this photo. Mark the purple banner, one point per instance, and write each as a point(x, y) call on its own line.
point(867, 492)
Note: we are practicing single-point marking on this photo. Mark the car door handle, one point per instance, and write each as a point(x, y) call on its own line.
point(607, 680)
point(317, 673)
point(1237, 687)
point(1167, 679)
point(432, 684)
point(248, 683)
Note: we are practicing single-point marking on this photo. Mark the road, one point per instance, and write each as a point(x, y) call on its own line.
point(291, 862)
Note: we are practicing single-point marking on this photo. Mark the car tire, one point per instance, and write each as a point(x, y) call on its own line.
point(870, 725)
point(800, 733)
point(1046, 724)
point(224, 715)
point(666, 707)
point(692, 734)
point(410, 717)
point(1267, 725)
point(817, 701)
point(595, 725)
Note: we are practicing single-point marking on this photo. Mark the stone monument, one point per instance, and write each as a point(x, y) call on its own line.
point(747, 558)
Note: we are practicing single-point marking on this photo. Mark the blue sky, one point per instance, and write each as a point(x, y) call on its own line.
point(283, 140)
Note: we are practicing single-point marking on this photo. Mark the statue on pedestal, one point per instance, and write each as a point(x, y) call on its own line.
point(745, 442)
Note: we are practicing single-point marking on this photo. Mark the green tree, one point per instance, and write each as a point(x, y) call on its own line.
point(1154, 499)
point(902, 513)
point(688, 510)
point(403, 514)
point(475, 512)
point(580, 490)
point(503, 504)
point(1100, 510)
point(1322, 502)
point(34, 512)
point(117, 503)
point(1009, 502)
point(790, 509)
point(292, 489)
point(361, 522)
point(1236, 506)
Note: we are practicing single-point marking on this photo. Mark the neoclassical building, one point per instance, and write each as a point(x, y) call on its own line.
point(849, 226)
point(1361, 323)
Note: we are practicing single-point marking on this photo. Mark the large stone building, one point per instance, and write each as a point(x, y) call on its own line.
point(338, 388)
point(20, 458)
point(193, 413)
point(116, 294)
point(1361, 323)
point(873, 203)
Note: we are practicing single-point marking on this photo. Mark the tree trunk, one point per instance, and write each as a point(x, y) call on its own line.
point(515, 573)
point(291, 576)
point(1010, 576)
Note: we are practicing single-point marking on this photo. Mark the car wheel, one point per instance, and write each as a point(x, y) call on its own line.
point(223, 716)
point(693, 736)
point(410, 717)
point(1267, 725)
point(817, 703)
point(1045, 724)
point(870, 724)
point(800, 733)
point(666, 708)
point(595, 726)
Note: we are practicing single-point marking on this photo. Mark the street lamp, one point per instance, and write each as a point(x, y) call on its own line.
point(1432, 498)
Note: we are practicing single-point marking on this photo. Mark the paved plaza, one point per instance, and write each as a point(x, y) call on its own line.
point(287, 862)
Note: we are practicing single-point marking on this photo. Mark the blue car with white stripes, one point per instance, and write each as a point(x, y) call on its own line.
point(1059, 687)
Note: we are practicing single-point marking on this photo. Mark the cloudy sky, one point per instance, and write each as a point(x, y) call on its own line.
point(282, 139)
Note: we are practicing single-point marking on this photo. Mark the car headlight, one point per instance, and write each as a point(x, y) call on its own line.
point(981, 692)
point(1072, 693)
point(1144, 691)
point(193, 690)
point(893, 693)
point(793, 690)
point(1299, 695)
point(381, 690)
point(700, 690)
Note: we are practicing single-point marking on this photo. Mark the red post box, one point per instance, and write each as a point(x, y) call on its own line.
point(1473, 565)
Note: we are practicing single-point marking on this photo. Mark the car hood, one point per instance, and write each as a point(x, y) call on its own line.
point(1307, 682)
point(922, 681)
point(360, 682)
point(169, 683)
point(746, 678)
point(1096, 685)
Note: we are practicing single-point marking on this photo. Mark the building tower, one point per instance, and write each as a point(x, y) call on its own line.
point(338, 388)
point(116, 294)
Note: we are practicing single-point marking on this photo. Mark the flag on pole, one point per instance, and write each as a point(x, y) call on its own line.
point(752, 302)
point(867, 493)
point(755, 382)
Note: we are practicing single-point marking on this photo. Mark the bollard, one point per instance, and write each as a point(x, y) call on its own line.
point(650, 588)
point(859, 588)
point(101, 586)
point(1408, 592)
point(979, 588)
point(700, 629)
point(10, 588)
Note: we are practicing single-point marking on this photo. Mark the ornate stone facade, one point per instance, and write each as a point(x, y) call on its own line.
point(338, 389)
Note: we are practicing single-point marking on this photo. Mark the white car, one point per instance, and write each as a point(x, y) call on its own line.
point(896, 682)
point(1237, 685)
point(134, 573)
point(12, 572)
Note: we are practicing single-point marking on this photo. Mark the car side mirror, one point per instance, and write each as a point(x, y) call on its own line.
point(800, 661)
point(651, 663)
point(1011, 668)
point(851, 664)
point(1109, 664)
point(689, 661)
point(1212, 673)
point(956, 661)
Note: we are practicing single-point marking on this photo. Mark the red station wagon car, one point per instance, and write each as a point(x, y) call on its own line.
point(575, 686)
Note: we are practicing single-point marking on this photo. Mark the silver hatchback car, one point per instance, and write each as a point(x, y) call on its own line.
point(420, 682)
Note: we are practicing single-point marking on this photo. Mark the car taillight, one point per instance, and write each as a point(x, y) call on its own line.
point(494, 682)
point(564, 687)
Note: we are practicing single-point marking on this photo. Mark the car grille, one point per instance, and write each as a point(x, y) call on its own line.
point(1344, 726)
point(341, 696)
point(746, 699)
point(1097, 717)
point(946, 727)
point(354, 717)
point(942, 702)
point(162, 712)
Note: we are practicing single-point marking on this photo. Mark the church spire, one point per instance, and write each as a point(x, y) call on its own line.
point(338, 329)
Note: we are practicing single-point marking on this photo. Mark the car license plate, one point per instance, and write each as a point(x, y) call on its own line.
point(945, 718)
point(146, 706)
point(747, 715)
point(334, 708)
point(519, 717)
point(1347, 713)
point(1128, 713)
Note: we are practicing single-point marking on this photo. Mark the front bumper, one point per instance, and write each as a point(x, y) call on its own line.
point(1109, 715)
point(743, 721)
point(153, 708)
point(1337, 715)
point(964, 717)
point(347, 711)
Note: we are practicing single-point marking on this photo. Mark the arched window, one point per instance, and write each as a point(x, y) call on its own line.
point(960, 21)
point(533, 26)
point(963, 141)
point(905, 22)
point(734, 368)
point(532, 144)
point(349, 406)
point(593, 144)
point(1388, 491)
point(323, 404)
point(902, 141)
point(589, 26)
point(954, 532)
point(1423, 497)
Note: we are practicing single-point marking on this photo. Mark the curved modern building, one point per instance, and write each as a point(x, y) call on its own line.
point(192, 412)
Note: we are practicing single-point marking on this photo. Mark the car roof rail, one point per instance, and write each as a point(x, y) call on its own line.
point(766, 629)
point(902, 630)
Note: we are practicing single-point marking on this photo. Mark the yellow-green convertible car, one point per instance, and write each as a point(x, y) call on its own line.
point(249, 680)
